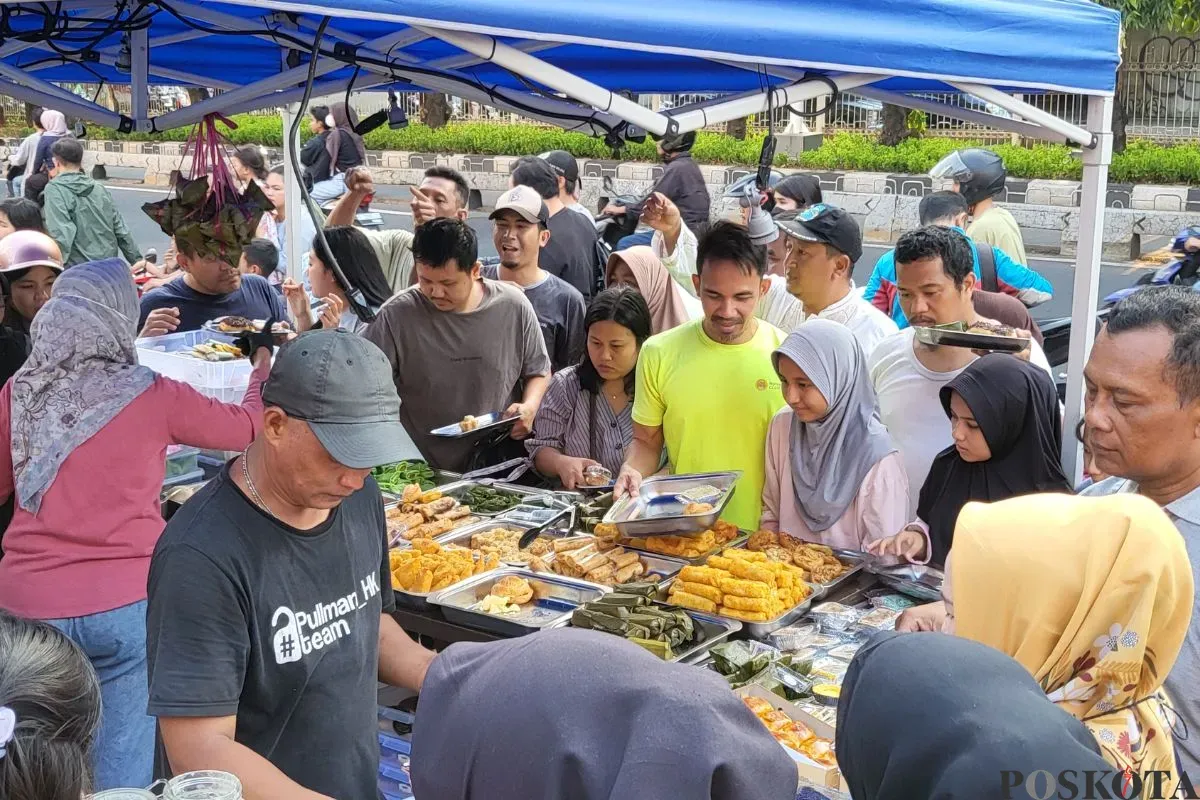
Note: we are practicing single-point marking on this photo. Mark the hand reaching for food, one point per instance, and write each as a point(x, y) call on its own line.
point(908, 544)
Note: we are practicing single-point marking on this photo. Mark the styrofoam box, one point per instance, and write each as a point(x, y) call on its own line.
point(224, 380)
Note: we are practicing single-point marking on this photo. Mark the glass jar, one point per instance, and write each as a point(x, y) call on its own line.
point(124, 794)
point(203, 785)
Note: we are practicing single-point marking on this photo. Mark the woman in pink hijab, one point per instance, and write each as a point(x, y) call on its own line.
point(638, 267)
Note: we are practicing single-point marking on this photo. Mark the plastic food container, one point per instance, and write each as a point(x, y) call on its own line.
point(181, 460)
point(203, 785)
point(224, 380)
point(196, 476)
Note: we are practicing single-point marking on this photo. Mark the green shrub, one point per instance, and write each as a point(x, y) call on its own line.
point(1142, 162)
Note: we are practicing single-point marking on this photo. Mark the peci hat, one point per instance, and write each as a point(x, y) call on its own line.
point(828, 225)
point(22, 250)
point(341, 385)
point(526, 202)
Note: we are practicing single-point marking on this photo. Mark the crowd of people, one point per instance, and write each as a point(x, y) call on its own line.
point(251, 630)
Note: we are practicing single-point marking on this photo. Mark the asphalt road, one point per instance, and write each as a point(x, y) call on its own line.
point(1060, 272)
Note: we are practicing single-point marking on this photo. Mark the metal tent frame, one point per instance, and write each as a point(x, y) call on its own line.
point(378, 43)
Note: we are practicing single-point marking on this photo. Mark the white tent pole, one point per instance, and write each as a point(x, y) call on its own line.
point(1026, 129)
point(1087, 273)
point(79, 106)
point(139, 79)
point(293, 202)
point(161, 41)
point(1026, 111)
point(758, 102)
point(468, 60)
point(490, 49)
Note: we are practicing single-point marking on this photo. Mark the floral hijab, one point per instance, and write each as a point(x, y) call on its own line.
point(1093, 596)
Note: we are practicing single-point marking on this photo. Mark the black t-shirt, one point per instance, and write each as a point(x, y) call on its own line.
point(571, 252)
point(277, 626)
point(560, 311)
point(255, 299)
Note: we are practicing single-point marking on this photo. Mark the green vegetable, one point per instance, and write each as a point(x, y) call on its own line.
point(394, 477)
point(489, 501)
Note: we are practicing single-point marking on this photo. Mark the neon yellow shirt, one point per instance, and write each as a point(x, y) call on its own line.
point(997, 227)
point(714, 403)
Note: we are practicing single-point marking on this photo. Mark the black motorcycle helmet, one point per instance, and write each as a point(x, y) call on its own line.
point(678, 143)
point(979, 173)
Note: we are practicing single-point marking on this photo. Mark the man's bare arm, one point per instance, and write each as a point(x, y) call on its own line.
point(358, 186)
point(402, 662)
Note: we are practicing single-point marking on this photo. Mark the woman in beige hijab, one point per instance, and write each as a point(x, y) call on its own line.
point(638, 267)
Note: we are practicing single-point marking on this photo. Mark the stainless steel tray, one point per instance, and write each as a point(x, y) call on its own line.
point(555, 598)
point(462, 536)
point(698, 561)
point(756, 629)
point(487, 422)
point(420, 600)
point(457, 490)
point(914, 580)
point(716, 630)
point(973, 341)
point(854, 559)
point(656, 512)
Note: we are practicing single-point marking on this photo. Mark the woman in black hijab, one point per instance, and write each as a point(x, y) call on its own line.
point(1007, 430)
point(926, 715)
point(577, 714)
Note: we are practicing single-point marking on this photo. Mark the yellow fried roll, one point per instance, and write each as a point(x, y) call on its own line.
point(694, 602)
point(705, 575)
point(743, 588)
point(746, 616)
point(719, 562)
point(698, 589)
point(745, 555)
point(753, 572)
point(760, 604)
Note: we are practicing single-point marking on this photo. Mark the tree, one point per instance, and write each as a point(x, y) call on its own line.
point(1179, 16)
point(736, 128)
point(435, 110)
point(895, 125)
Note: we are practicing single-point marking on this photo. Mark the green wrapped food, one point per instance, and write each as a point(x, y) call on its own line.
point(660, 649)
point(651, 622)
point(586, 618)
point(677, 637)
point(635, 631)
point(644, 589)
point(742, 660)
point(780, 680)
point(621, 599)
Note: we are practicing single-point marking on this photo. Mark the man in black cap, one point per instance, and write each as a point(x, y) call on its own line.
point(567, 169)
point(570, 252)
point(681, 182)
point(270, 591)
point(824, 242)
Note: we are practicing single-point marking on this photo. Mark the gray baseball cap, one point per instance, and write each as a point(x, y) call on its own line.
point(341, 385)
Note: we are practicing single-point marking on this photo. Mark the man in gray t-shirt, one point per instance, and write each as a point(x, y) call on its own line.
point(1143, 427)
point(459, 345)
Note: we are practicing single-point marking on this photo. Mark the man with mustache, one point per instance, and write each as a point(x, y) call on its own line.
point(707, 389)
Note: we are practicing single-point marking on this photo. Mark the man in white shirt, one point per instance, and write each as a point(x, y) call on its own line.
point(935, 277)
point(823, 244)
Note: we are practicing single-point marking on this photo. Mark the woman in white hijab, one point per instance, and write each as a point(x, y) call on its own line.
point(834, 476)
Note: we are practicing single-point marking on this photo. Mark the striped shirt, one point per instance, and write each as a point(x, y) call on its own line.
point(564, 422)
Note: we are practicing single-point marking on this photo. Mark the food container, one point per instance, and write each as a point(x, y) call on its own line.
point(948, 337)
point(809, 770)
point(459, 489)
point(715, 629)
point(226, 381)
point(181, 460)
point(462, 536)
point(555, 598)
point(759, 630)
point(658, 511)
point(851, 558)
point(486, 422)
point(420, 600)
point(699, 560)
point(915, 580)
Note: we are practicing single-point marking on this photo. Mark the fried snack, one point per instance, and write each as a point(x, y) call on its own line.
point(497, 605)
point(758, 706)
point(725, 531)
point(820, 751)
point(697, 508)
point(705, 575)
point(777, 553)
point(629, 573)
point(693, 602)
point(698, 589)
point(469, 423)
point(430, 496)
point(412, 493)
point(761, 540)
point(744, 555)
point(427, 566)
point(748, 603)
point(753, 572)
point(744, 588)
point(429, 530)
point(514, 587)
point(606, 530)
point(720, 562)
point(745, 616)
point(538, 565)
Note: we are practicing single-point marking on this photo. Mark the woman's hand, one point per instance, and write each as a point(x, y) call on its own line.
point(297, 300)
point(929, 617)
point(570, 470)
point(331, 312)
point(908, 544)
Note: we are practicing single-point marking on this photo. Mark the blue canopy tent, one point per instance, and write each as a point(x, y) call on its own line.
point(570, 63)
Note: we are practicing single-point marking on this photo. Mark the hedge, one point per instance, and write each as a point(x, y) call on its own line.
point(1142, 162)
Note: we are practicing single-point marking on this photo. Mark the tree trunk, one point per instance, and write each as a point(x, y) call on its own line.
point(196, 95)
point(1119, 117)
point(435, 110)
point(895, 125)
point(736, 128)
point(29, 109)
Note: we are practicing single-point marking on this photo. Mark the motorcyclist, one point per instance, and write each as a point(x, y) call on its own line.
point(681, 182)
point(979, 176)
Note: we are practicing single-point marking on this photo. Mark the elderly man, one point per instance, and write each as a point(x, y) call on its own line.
point(1143, 426)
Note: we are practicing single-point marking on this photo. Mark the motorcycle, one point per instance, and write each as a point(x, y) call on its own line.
point(612, 228)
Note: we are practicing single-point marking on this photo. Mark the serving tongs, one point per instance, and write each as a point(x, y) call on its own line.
point(531, 534)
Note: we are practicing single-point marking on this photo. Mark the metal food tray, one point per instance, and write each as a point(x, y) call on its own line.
point(555, 599)
point(631, 515)
point(851, 558)
point(973, 341)
point(457, 490)
point(462, 536)
point(914, 580)
point(420, 600)
point(699, 560)
point(487, 422)
point(758, 630)
point(718, 629)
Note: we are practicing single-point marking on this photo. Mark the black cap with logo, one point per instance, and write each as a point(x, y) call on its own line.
point(828, 225)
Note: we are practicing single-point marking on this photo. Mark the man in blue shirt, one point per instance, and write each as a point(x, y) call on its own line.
point(949, 210)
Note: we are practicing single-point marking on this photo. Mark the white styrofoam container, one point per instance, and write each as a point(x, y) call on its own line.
point(223, 380)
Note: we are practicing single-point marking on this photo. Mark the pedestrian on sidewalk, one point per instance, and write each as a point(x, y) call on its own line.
point(80, 213)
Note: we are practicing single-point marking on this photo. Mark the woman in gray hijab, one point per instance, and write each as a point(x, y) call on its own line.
point(834, 476)
point(583, 715)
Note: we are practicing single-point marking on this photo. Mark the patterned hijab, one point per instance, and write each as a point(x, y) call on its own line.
point(1093, 596)
point(831, 457)
point(82, 372)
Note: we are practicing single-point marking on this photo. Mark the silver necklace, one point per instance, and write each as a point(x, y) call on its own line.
point(254, 495)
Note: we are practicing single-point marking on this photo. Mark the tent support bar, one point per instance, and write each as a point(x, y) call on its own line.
point(1087, 273)
point(490, 49)
point(1026, 129)
point(320, 88)
point(162, 72)
point(139, 79)
point(78, 106)
point(162, 41)
point(293, 199)
point(47, 89)
point(758, 102)
point(468, 60)
point(1026, 111)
